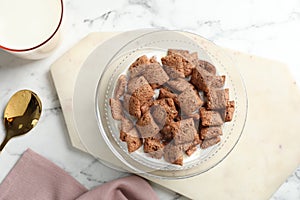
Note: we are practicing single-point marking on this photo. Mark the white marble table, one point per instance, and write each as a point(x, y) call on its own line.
point(266, 28)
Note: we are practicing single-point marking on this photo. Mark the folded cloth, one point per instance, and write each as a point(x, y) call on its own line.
point(35, 177)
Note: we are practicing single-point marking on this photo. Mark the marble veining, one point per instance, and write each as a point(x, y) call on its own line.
point(265, 28)
point(103, 17)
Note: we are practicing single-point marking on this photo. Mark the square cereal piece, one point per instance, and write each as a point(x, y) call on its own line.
point(186, 132)
point(152, 144)
point(164, 111)
point(189, 101)
point(135, 107)
point(179, 63)
point(137, 71)
point(173, 73)
point(210, 142)
point(147, 126)
point(116, 109)
point(135, 83)
point(217, 81)
point(159, 115)
point(120, 87)
point(192, 57)
point(126, 124)
point(216, 99)
point(144, 93)
point(173, 61)
point(207, 66)
point(139, 62)
point(191, 147)
point(133, 140)
point(179, 84)
point(210, 118)
point(200, 78)
point(173, 154)
point(230, 107)
point(210, 132)
point(205, 81)
point(155, 74)
point(140, 88)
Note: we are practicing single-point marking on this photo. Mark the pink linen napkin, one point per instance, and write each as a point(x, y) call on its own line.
point(36, 178)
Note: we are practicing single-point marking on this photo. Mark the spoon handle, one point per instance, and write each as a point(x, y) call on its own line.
point(6, 139)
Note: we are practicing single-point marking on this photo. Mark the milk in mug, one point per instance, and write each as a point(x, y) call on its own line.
point(30, 28)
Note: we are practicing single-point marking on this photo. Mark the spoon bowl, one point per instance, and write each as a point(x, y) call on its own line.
point(21, 114)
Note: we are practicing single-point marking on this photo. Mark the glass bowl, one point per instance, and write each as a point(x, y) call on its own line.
point(157, 43)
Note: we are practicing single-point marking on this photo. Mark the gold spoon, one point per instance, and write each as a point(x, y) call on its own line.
point(21, 114)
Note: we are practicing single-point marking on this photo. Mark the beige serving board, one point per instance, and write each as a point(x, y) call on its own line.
point(268, 150)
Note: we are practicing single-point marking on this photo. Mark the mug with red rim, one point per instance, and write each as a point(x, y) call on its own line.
point(30, 29)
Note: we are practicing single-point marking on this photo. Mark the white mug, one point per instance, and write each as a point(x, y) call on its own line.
point(30, 29)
